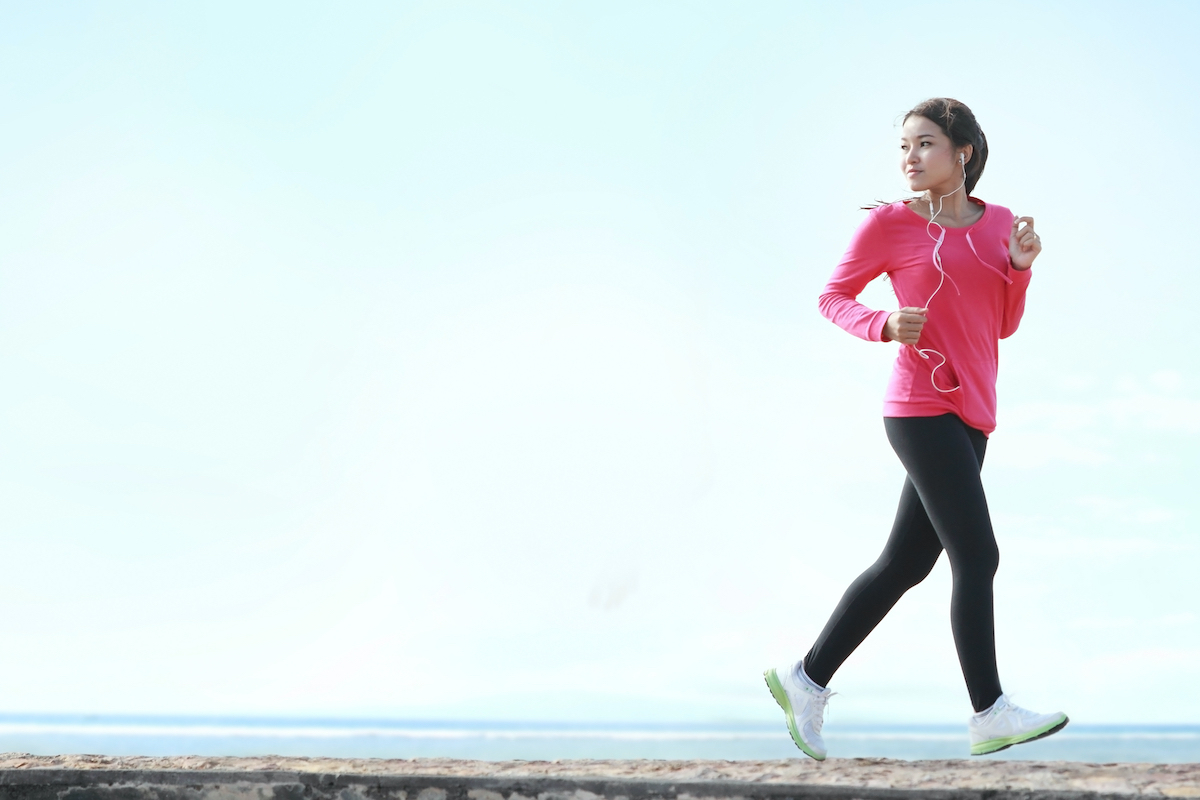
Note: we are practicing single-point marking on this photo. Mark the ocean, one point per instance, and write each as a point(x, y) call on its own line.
point(360, 738)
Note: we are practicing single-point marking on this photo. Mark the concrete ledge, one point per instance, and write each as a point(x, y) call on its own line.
point(24, 777)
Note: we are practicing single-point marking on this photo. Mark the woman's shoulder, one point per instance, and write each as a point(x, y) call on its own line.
point(881, 209)
point(887, 215)
point(997, 214)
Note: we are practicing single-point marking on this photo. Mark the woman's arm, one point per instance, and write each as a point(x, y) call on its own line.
point(864, 261)
point(1024, 245)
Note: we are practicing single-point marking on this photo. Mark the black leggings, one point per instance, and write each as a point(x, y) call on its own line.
point(942, 506)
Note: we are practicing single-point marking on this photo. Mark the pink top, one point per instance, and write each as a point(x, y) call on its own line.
point(980, 302)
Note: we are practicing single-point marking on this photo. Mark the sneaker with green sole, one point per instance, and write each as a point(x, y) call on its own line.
point(803, 706)
point(1006, 724)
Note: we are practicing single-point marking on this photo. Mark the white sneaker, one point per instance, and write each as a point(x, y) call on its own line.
point(804, 707)
point(1006, 724)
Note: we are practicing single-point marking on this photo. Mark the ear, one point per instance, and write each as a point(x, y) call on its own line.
point(966, 154)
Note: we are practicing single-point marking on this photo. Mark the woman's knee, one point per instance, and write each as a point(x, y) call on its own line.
point(991, 559)
point(908, 569)
point(979, 562)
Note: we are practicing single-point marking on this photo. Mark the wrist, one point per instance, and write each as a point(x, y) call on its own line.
point(884, 336)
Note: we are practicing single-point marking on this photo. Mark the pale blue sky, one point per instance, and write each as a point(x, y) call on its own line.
point(463, 360)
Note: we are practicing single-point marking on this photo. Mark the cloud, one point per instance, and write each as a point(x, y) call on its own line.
point(1087, 423)
point(610, 594)
point(1130, 511)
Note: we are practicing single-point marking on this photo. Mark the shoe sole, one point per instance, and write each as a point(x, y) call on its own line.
point(1005, 742)
point(772, 679)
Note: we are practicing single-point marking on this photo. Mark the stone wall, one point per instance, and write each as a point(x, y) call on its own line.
point(24, 777)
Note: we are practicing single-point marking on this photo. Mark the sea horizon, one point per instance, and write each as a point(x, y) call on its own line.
point(350, 737)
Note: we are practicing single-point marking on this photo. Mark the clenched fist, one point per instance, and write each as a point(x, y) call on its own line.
point(904, 326)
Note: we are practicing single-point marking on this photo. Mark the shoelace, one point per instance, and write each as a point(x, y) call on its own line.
point(819, 718)
point(1005, 705)
point(1023, 713)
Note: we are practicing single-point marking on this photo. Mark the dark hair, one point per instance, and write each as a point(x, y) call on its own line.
point(957, 122)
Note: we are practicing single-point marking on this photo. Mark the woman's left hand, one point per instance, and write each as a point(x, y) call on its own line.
point(1023, 243)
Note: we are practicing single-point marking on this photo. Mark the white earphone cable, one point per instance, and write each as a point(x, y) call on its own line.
point(924, 352)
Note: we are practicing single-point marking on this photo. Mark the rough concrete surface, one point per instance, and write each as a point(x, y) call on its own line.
point(83, 777)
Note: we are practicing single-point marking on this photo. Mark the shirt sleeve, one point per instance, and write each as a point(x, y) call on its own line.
point(1014, 292)
point(864, 261)
point(1014, 300)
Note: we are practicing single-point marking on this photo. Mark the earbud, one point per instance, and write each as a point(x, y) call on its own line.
point(962, 159)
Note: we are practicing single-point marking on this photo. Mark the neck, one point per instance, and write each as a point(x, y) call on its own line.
point(953, 200)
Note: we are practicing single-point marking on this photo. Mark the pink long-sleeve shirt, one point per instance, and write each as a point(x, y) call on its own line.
point(980, 302)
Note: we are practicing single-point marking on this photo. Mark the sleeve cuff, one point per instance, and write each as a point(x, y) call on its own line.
point(875, 330)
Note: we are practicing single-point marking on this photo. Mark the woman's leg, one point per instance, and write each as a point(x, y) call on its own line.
point(941, 506)
point(910, 553)
point(943, 456)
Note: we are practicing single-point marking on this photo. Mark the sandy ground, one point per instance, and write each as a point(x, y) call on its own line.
point(1162, 780)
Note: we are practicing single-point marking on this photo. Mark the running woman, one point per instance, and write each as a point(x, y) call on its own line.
point(959, 268)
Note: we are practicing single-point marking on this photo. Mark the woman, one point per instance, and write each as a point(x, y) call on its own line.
point(959, 268)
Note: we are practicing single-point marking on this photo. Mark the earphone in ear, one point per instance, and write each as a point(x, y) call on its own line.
point(962, 158)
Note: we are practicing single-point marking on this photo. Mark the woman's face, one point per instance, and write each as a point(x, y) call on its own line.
point(928, 157)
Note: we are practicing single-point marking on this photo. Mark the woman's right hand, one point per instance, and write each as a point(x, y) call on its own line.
point(904, 326)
